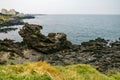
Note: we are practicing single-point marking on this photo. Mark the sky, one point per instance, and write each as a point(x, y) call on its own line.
point(63, 6)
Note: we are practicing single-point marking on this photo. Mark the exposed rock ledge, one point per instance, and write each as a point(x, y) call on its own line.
point(57, 50)
point(12, 22)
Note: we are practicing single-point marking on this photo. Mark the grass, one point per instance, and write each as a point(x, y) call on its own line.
point(4, 19)
point(44, 71)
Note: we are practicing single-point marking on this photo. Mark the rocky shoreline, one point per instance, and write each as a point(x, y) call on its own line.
point(11, 20)
point(57, 50)
point(12, 23)
point(16, 21)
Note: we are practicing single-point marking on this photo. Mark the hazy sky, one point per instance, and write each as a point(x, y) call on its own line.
point(63, 6)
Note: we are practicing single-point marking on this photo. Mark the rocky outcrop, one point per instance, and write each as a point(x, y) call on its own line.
point(8, 45)
point(100, 54)
point(46, 44)
point(12, 17)
point(6, 26)
point(9, 49)
point(57, 50)
point(12, 22)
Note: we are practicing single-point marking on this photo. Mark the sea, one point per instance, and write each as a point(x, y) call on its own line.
point(78, 28)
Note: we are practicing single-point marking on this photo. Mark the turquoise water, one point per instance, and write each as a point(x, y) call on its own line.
point(78, 28)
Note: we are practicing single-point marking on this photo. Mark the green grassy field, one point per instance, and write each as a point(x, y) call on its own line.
point(44, 71)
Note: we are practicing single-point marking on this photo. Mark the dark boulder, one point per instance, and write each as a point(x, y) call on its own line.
point(92, 45)
point(46, 44)
point(8, 45)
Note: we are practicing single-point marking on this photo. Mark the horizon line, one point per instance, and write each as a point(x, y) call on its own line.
point(68, 14)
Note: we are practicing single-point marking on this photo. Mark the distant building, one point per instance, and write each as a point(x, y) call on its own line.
point(4, 11)
point(12, 12)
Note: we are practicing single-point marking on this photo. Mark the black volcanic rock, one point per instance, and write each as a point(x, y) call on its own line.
point(46, 44)
point(12, 22)
point(8, 45)
point(57, 50)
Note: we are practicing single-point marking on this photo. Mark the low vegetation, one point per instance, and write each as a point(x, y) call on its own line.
point(4, 18)
point(44, 71)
